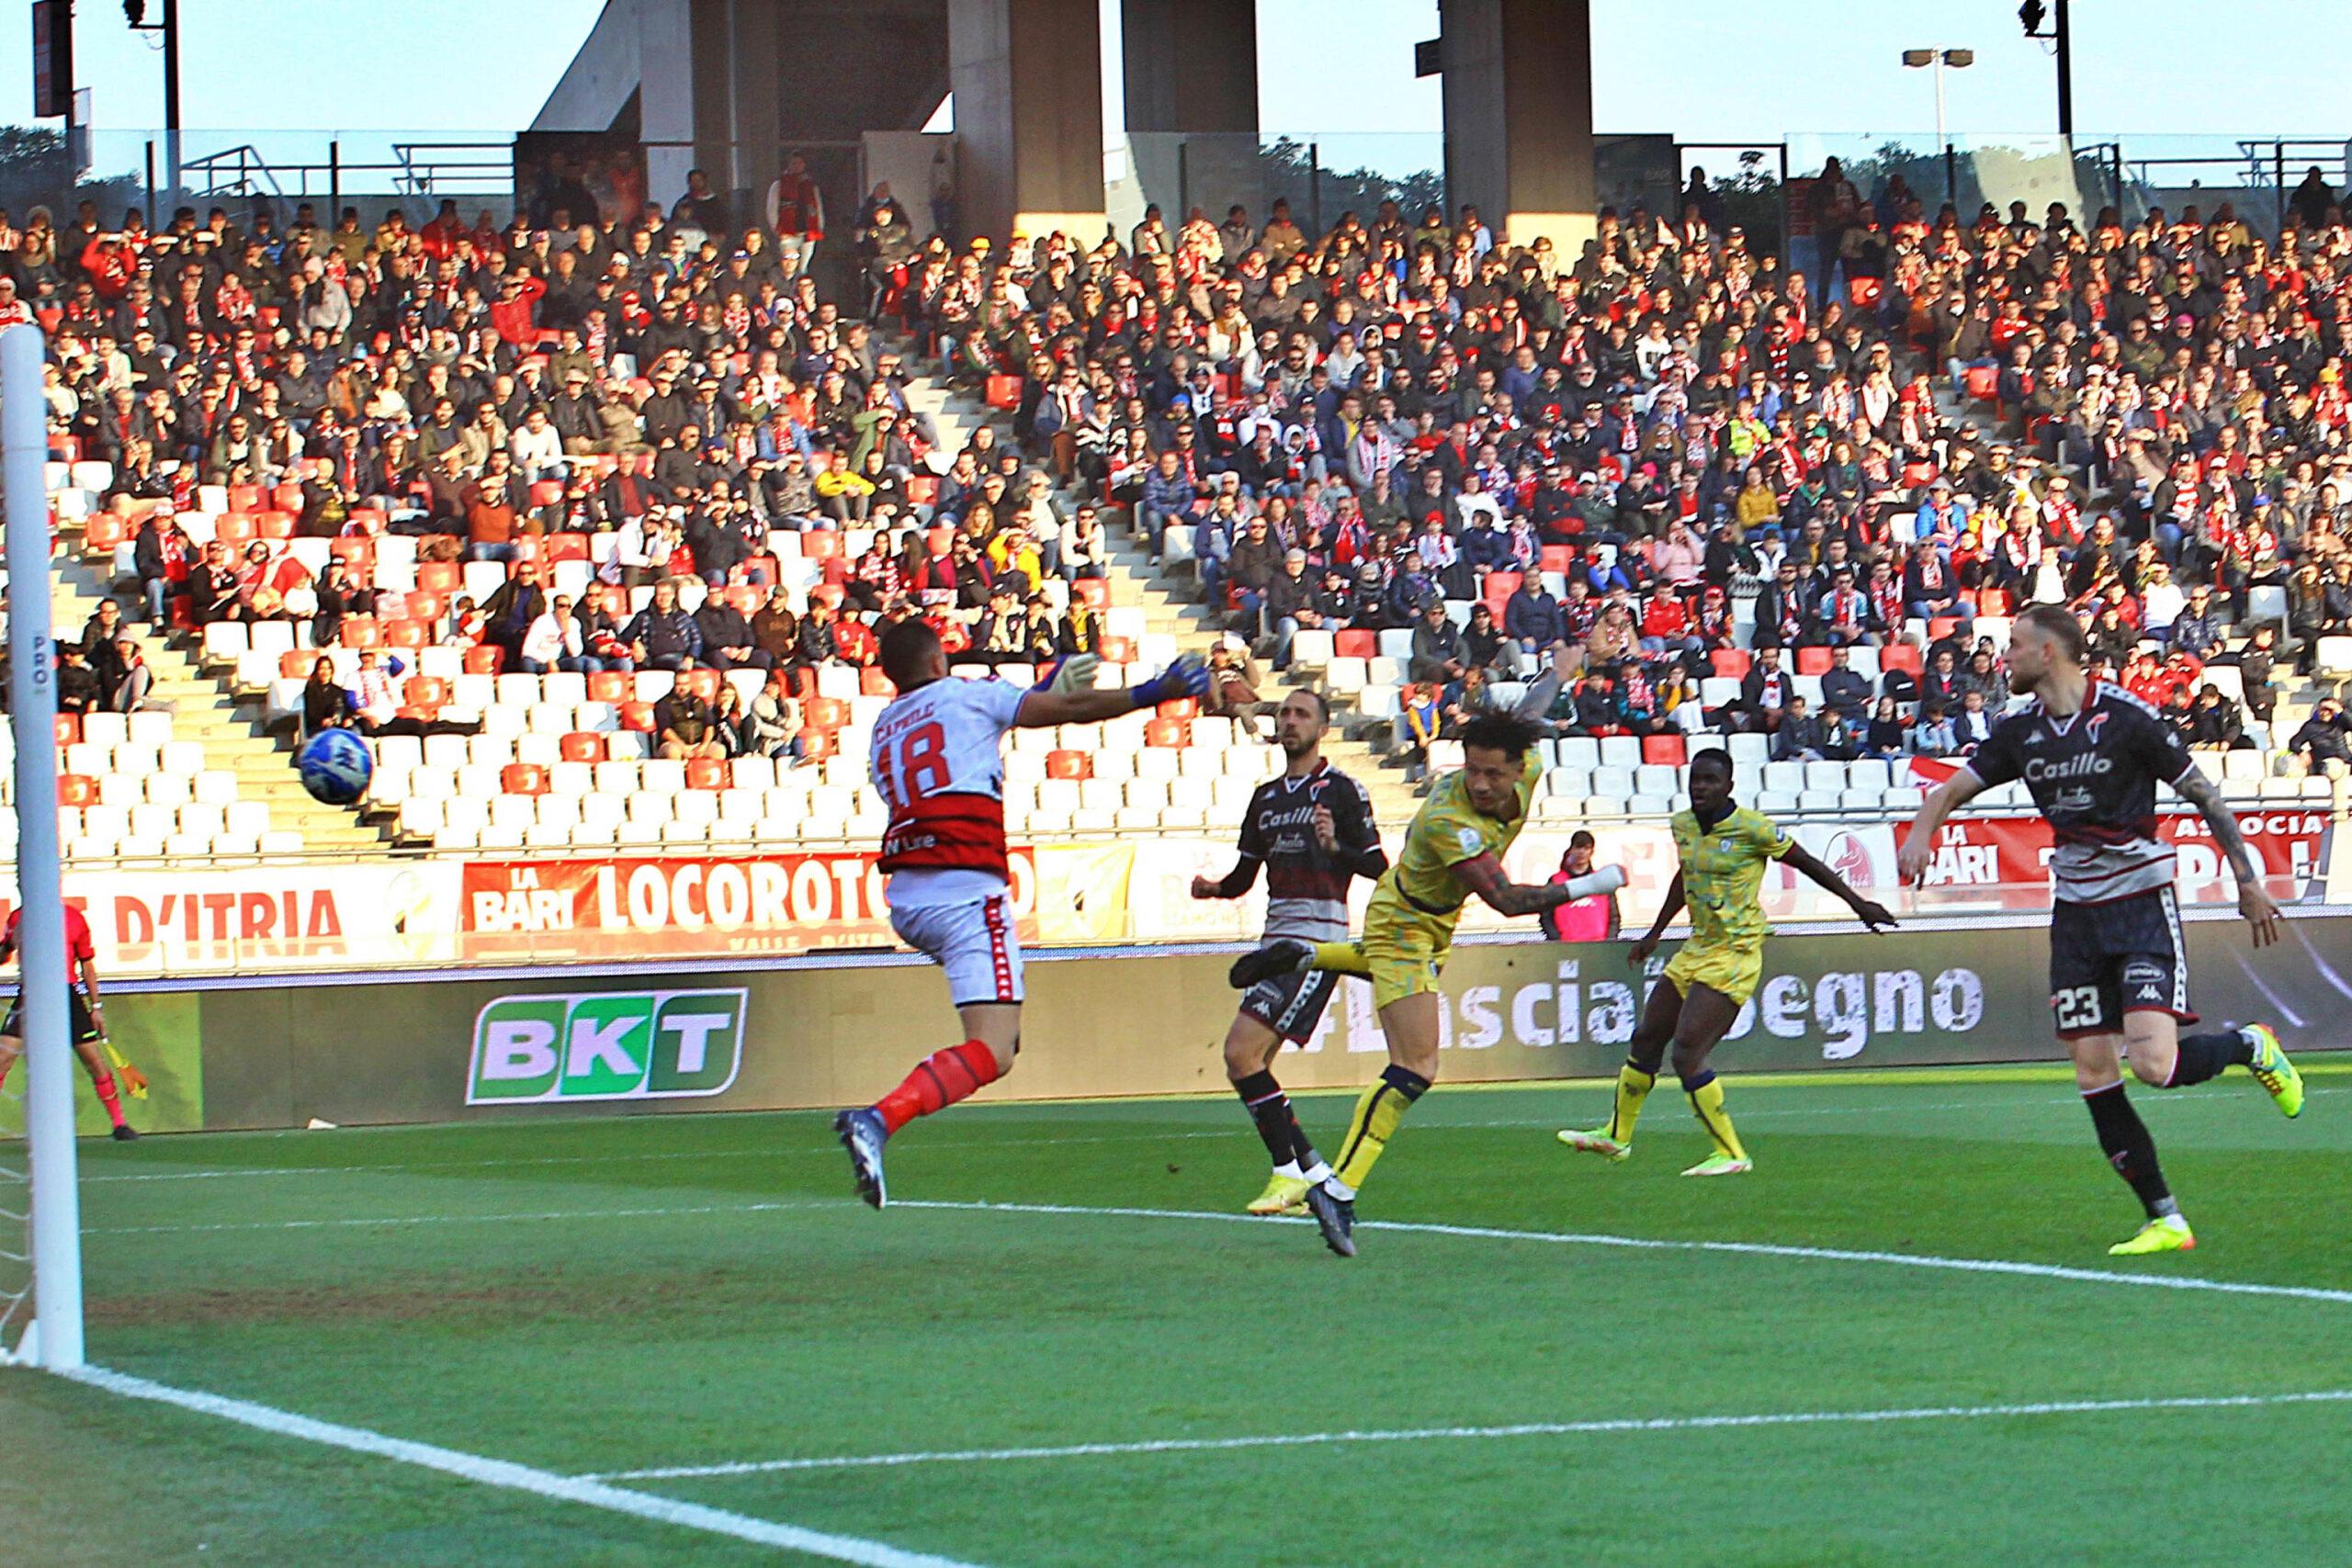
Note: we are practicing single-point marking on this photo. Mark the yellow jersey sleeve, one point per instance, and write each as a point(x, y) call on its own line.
point(1767, 835)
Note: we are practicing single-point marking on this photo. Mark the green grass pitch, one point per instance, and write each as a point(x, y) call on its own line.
point(689, 1294)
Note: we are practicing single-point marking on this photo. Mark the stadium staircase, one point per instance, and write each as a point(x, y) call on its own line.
point(1169, 596)
point(204, 710)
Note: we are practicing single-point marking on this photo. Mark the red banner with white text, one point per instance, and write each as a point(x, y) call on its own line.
point(660, 905)
point(1986, 852)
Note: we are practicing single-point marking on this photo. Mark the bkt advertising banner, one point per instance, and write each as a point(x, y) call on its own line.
point(576, 1046)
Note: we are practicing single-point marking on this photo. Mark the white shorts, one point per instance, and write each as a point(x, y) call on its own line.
point(973, 941)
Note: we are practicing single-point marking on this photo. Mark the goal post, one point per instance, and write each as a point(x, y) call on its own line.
point(53, 1335)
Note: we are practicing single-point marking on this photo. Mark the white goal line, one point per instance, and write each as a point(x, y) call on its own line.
point(1659, 1243)
point(1625, 1425)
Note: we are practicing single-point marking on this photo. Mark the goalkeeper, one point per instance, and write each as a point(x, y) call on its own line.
point(88, 1025)
point(1454, 849)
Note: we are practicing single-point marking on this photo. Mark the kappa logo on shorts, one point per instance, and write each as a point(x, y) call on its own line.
point(2147, 993)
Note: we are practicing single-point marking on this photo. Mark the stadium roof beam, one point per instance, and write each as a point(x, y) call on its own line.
point(1518, 82)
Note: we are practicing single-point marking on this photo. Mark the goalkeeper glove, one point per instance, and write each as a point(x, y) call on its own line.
point(1187, 677)
point(1075, 673)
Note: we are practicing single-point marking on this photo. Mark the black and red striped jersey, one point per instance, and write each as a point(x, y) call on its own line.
point(1306, 885)
point(2093, 774)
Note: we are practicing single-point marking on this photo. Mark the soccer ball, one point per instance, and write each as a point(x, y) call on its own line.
point(334, 766)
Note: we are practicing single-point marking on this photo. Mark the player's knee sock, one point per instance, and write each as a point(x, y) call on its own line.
point(2130, 1148)
point(1377, 1115)
point(939, 1081)
point(1634, 1087)
point(1340, 958)
point(1707, 1104)
point(8, 1066)
point(110, 1097)
point(2202, 1056)
point(1278, 1126)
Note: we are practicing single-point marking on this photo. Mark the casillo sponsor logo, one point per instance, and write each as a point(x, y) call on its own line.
point(1846, 1009)
point(571, 1046)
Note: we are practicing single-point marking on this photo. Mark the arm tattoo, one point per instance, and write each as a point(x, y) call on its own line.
point(2206, 795)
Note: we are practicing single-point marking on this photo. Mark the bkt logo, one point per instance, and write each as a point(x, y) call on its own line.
point(606, 1045)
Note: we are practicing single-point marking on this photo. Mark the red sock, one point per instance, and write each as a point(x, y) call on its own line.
point(108, 1098)
point(939, 1081)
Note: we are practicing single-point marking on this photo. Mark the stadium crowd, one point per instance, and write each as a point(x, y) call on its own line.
point(1705, 472)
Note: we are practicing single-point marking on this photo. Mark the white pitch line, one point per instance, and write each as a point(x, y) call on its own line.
point(1656, 1244)
point(583, 1491)
point(1444, 1434)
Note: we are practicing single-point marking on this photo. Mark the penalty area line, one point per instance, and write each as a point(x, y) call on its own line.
point(583, 1491)
point(1624, 1425)
point(1659, 1243)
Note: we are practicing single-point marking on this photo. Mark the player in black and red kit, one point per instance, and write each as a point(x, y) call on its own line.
point(86, 1019)
point(1311, 827)
point(2092, 756)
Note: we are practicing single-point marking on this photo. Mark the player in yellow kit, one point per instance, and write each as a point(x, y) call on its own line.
point(1452, 849)
point(1723, 849)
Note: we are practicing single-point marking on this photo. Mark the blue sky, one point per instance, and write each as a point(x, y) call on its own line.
point(1740, 69)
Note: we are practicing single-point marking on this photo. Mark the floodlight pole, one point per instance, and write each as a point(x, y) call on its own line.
point(40, 938)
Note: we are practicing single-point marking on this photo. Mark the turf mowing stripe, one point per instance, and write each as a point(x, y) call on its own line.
point(495, 1219)
point(1521, 1429)
point(1656, 1244)
point(585, 1490)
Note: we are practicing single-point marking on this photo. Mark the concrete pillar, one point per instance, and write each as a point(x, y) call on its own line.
point(1518, 118)
point(1190, 67)
point(755, 118)
point(1028, 85)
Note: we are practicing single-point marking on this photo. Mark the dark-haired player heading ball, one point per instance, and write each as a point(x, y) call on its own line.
point(1455, 849)
point(2091, 754)
point(1311, 827)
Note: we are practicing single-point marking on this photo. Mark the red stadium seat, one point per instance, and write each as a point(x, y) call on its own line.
point(1094, 592)
point(820, 544)
point(704, 683)
point(1169, 732)
point(1731, 663)
point(1003, 391)
point(1118, 650)
point(523, 778)
point(1983, 382)
point(608, 686)
point(825, 713)
point(294, 664)
point(244, 498)
point(102, 532)
point(426, 692)
point(288, 498)
point(1941, 626)
point(584, 746)
point(1068, 764)
point(361, 631)
point(1903, 656)
point(440, 577)
point(358, 553)
point(567, 546)
point(638, 716)
point(1559, 558)
point(407, 632)
point(706, 773)
point(274, 524)
point(69, 729)
point(486, 660)
point(1498, 589)
point(816, 745)
point(547, 492)
point(922, 489)
point(1178, 707)
point(938, 540)
point(529, 551)
point(1813, 660)
point(1355, 645)
point(829, 594)
point(1664, 750)
point(76, 789)
point(871, 682)
point(235, 529)
point(1993, 601)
